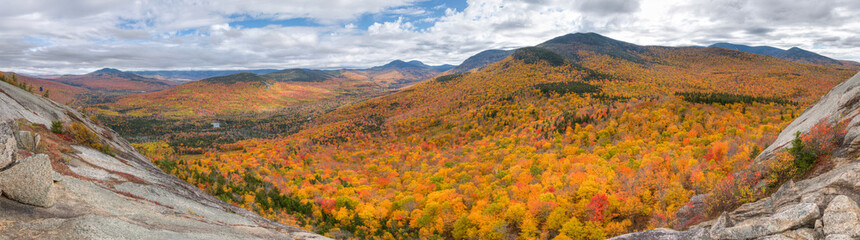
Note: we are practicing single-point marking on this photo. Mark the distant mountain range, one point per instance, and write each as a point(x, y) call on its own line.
point(795, 54)
point(113, 80)
point(295, 88)
point(395, 74)
point(568, 46)
point(414, 64)
point(194, 75)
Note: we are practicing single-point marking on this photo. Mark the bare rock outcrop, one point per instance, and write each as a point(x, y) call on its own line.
point(842, 216)
point(788, 217)
point(8, 144)
point(27, 141)
point(29, 181)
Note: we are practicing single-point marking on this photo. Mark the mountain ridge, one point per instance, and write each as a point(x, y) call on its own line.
point(569, 45)
point(481, 59)
point(792, 54)
point(194, 75)
point(113, 80)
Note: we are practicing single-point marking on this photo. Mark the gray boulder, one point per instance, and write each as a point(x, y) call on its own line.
point(799, 234)
point(838, 237)
point(27, 140)
point(30, 181)
point(663, 234)
point(842, 216)
point(8, 145)
point(789, 217)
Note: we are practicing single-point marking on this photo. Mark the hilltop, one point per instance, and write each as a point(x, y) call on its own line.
point(402, 73)
point(481, 59)
point(580, 136)
point(303, 75)
point(246, 78)
point(568, 46)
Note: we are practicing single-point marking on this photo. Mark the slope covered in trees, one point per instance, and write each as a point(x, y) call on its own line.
point(248, 105)
point(237, 93)
point(244, 105)
point(584, 139)
point(56, 91)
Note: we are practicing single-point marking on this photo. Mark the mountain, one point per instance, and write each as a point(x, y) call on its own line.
point(850, 63)
point(56, 91)
point(249, 78)
point(799, 55)
point(481, 59)
point(582, 136)
point(402, 73)
point(113, 80)
point(792, 54)
point(194, 75)
point(762, 50)
point(303, 75)
point(440, 68)
point(414, 64)
point(569, 46)
point(823, 205)
point(89, 183)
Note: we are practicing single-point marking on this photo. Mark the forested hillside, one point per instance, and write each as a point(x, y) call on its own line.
point(587, 138)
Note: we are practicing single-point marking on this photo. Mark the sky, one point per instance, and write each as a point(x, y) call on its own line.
point(44, 37)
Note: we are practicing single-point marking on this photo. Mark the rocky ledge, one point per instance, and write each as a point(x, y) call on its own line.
point(54, 188)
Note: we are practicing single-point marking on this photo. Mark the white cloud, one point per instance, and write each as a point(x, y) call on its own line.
point(390, 28)
point(58, 36)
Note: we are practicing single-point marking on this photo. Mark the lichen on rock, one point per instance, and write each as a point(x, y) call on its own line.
point(29, 181)
point(842, 216)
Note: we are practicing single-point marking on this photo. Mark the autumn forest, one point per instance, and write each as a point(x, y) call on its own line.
point(582, 137)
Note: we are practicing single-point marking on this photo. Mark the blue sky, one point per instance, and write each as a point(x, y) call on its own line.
point(60, 36)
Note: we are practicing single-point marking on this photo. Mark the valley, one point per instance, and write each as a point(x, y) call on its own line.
point(248, 105)
point(582, 137)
